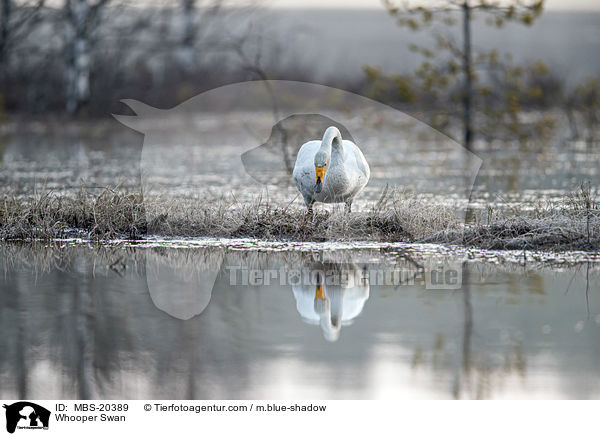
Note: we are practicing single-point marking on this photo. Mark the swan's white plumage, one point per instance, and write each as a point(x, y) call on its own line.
point(346, 174)
point(342, 302)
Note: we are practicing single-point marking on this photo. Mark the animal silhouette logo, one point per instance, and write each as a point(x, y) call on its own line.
point(266, 122)
point(26, 415)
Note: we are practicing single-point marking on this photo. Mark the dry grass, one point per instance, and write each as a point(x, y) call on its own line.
point(397, 216)
point(120, 214)
point(47, 215)
point(571, 224)
point(559, 233)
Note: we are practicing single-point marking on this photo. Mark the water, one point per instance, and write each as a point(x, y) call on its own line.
point(196, 318)
point(41, 156)
point(193, 322)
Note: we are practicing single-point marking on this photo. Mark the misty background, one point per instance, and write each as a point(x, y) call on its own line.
point(80, 57)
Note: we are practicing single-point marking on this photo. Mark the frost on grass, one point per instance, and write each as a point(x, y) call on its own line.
point(116, 213)
point(570, 224)
point(397, 216)
point(48, 215)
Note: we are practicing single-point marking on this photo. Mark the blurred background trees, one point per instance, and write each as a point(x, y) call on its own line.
point(499, 98)
point(82, 18)
point(454, 72)
point(80, 57)
point(15, 22)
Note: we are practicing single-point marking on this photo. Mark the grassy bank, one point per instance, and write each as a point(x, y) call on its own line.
point(573, 223)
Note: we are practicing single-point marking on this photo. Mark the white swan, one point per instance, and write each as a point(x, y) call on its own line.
point(331, 170)
point(335, 300)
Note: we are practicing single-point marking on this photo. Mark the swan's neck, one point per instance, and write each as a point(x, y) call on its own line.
point(332, 145)
point(330, 330)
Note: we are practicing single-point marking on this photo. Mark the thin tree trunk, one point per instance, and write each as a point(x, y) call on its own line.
point(468, 77)
point(463, 374)
point(188, 53)
point(23, 338)
point(4, 29)
point(78, 69)
point(84, 336)
point(572, 122)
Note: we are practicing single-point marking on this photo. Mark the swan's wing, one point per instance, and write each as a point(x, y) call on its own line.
point(354, 302)
point(304, 169)
point(356, 159)
point(305, 303)
point(356, 166)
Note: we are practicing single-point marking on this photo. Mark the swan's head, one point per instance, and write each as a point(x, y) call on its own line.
point(330, 324)
point(321, 162)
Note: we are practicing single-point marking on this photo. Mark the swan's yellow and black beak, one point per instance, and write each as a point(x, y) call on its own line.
point(320, 176)
point(319, 292)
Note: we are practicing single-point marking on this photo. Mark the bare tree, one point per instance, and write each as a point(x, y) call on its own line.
point(197, 17)
point(82, 17)
point(97, 51)
point(15, 19)
point(417, 15)
point(188, 41)
point(585, 98)
point(5, 26)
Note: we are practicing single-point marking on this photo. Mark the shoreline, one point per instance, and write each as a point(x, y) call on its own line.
point(573, 224)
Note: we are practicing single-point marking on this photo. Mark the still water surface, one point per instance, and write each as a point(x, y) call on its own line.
point(96, 155)
point(165, 320)
point(201, 323)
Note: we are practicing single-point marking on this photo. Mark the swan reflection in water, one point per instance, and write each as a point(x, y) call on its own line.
point(334, 297)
